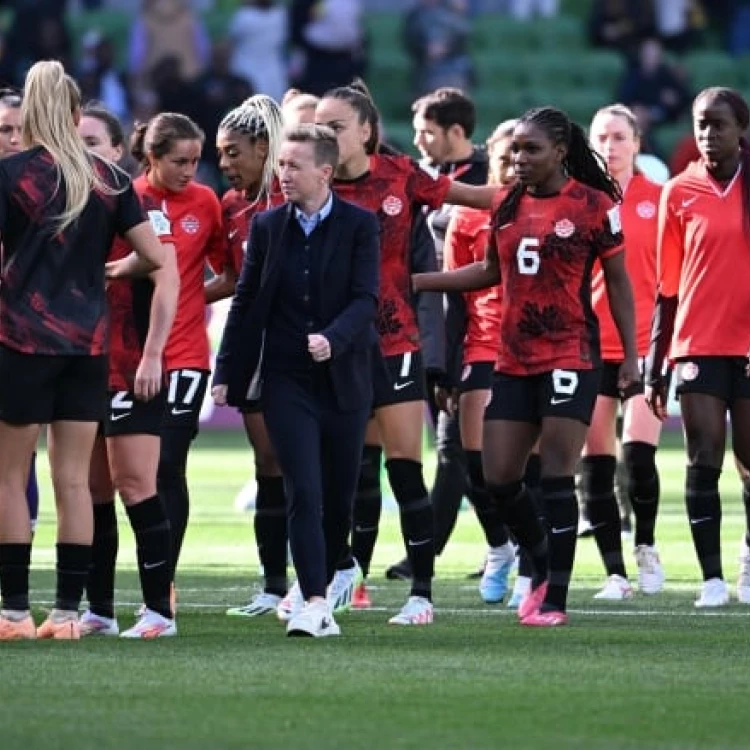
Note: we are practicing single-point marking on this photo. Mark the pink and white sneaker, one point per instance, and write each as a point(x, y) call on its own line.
point(552, 619)
point(416, 611)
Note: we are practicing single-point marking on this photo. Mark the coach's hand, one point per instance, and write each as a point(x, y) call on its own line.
point(148, 377)
point(656, 398)
point(319, 347)
point(219, 395)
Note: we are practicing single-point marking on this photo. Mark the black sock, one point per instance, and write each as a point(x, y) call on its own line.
point(525, 566)
point(100, 585)
point(271, 535)
point(172, 485)
point(704, 511)
point(643, 488)
point(368, 503)
point(73, 562)
point(15, 560)
point(450, 484)
point(152, 540)
point(598, 493)
point(515, 505)
point(746, 504)
point(495, 530)
point(562, 518)
point(532, 476)
point(417, 526)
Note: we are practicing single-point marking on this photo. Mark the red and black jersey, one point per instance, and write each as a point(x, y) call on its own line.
point(546, 255)
point(639, 210)
point(704, 260)
point(393, 188)
point(192, 218)
point(130, 304)
point(52, 298)
point(466, 243)
point(237, 212)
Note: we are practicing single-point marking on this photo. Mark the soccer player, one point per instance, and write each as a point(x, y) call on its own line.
point(614, 135)
point(701, 322)
point(10, 143)
point(444, 123)
point(169, 148)
point(126, 452)
point(547, 231)
point(465, 243)
point(247, 142)
point(392, 187)
point(60, 208)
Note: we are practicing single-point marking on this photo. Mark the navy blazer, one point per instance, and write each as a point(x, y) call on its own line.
point(348, 283)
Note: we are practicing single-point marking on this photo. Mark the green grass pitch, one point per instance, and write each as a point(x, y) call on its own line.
point(649, 673)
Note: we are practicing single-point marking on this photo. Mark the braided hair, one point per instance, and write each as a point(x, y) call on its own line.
point(358, 97)
point(581, 162)
point(259, 118)
point(734, 100)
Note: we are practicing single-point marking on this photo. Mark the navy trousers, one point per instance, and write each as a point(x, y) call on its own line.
point(319, 449)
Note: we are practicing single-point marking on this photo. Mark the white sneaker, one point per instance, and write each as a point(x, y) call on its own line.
point(261, 604)
point(314, 620)
point(416, 611)
point(616, 589)
point(151, 625)
point(341, 589)
point(291, 604)
point(521, 587)
point(494, 583)
point(92, 624)
point(650, 571)
point(714, 593)
point(743, 580)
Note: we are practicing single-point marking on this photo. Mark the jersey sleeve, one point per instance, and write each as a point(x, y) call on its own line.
point(608, 237)
point(461, 240)
point(669, 247)
point(424, 189)
point(129, 211)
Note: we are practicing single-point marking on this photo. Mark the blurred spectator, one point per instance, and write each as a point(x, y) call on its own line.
point(679, 23)
point(654, 88)
point(436, 36)
point(258, 35)
point(172, 91)
point(523, 10)
point(329, 41)
point(37, 31)
point(167, 29)
point(216, 92)
point(621, 24)
point(738, 31)
point(99, 79)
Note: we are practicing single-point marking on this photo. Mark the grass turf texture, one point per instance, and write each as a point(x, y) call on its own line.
point(648, 673)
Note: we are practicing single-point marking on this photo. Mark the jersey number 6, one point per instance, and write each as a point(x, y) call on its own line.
point(528, 259)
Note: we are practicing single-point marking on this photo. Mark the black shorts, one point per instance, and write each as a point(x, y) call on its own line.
point(129, 416)
point(251, 407)
point(570, 394)
point(477, 376)
point(722, 377)
point(608, 385)
point(400, 381)
point(43, 388)
point(185, 395)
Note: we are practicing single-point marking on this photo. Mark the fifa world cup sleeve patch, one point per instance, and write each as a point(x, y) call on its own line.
point(615, 225)
point(159, 223)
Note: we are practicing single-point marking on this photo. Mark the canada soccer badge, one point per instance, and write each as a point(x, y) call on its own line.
point(646, 209)
point(190, 224)
point(392, 206)
point(565, 228)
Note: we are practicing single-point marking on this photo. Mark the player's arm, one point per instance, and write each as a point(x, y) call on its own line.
point(669, 257)
point(474, 196)
point(620, 294)
point(221, 285)
point(148, 377)
point(479, 275)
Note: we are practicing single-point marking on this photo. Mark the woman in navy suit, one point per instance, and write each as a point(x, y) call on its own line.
point(300, 334)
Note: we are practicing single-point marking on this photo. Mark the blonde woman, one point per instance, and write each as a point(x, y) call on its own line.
point(60, 208)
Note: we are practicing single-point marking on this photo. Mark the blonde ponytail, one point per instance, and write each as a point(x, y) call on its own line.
point(51, 99)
